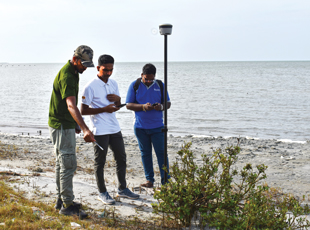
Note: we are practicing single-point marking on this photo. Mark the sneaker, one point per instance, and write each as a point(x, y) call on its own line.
point(59, 204)
point(72, 210)
point(105, 198)
point(126, 193)
point(147, 184)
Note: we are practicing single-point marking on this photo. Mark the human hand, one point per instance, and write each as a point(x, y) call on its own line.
point(111, 108)
point(113, 97)
point(148, 106)
point(158, 107)
point(89, 136)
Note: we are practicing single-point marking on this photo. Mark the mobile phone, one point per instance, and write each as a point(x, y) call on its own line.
point(120, 106)
point(155, 104)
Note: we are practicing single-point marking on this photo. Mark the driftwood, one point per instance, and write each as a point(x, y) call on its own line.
point(148, 191)
point(18, 174)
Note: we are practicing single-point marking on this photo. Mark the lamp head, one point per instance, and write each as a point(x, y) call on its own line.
point(165, 29)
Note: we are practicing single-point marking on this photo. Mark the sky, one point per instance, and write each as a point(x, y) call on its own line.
point(37, 31)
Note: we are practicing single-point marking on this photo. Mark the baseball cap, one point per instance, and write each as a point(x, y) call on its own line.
point(85, 53)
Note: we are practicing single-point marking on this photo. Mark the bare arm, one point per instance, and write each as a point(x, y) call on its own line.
point(135, 107)
point(139, 107)
point(86, 110)
point(75, 113)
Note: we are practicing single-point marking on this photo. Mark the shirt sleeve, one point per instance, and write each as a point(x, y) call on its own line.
point(131, 95)
point(67, 87)
point(87, 95)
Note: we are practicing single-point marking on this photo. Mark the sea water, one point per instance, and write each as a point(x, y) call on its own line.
point(269, 100)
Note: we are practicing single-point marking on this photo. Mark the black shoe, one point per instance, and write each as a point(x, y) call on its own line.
point(59, 204)
point(73, 210)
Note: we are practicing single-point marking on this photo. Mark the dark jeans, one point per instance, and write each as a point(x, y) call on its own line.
point(116, 144)
point(147, 138)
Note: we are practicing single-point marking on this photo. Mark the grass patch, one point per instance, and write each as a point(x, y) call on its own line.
point(18, 212)
point(7, 151)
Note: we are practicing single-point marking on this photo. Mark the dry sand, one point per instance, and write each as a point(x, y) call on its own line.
point(288, 167)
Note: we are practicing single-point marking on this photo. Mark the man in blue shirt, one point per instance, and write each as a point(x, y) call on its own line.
point(146, 102)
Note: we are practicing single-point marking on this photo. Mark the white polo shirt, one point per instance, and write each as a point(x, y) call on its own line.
point(95, 96)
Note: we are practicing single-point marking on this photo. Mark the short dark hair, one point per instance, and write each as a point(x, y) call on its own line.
point(105, 59)
point(148, 69)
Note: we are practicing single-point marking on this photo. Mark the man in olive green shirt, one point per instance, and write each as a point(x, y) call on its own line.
point(64, 121)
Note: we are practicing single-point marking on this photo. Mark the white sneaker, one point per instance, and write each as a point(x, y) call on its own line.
point(106, 198)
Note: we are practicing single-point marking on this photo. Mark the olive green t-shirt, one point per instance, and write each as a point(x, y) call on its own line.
point(65, 84)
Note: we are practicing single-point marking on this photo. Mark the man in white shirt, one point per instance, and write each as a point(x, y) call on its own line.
point(100, 99)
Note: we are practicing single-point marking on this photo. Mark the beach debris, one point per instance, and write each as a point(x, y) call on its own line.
point(11, 173)
point(17, 174)
point(49, 218)
point(290, 158)
point(2, 224)
point(139, 208)
point(102, 215)
point(149, 191)
point(75, 225)
point(37, 169)
point(37, 212)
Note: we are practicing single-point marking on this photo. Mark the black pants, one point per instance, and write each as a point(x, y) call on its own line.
point(116, 144)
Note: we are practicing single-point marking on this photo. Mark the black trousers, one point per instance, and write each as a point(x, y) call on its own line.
point(116, 144)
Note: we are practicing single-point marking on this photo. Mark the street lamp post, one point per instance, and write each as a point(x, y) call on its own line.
point(165, 29)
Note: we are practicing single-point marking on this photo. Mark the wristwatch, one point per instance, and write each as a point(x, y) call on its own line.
point(161, 107)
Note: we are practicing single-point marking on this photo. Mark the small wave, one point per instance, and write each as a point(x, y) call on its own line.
point(291, 141)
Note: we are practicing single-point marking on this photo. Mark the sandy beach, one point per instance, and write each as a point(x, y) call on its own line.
point(288, 166)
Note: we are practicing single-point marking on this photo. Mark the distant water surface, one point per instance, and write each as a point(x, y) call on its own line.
point(268, 100)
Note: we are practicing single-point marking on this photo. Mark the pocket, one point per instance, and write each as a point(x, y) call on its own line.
point(68, 161)
point(67, 141)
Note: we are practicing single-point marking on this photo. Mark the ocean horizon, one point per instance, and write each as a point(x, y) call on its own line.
point(257, 99)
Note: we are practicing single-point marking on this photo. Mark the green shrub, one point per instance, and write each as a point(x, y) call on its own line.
point(224, 197)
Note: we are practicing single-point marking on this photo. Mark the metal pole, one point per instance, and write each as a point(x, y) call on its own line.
point(165, 117)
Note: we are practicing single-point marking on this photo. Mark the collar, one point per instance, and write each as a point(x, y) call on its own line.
point(72, 69)
point(150, 85)
point(102, 82)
